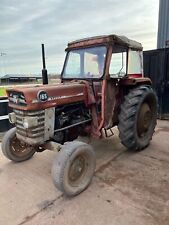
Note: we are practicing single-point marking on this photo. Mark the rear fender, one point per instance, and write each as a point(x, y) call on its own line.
point(135, 81)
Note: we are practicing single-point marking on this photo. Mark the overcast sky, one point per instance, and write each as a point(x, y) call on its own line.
point(24, 25)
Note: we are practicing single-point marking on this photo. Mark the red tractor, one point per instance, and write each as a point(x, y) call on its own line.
point(102, 86)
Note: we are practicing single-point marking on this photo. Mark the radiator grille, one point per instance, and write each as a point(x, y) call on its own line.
point(33, 132)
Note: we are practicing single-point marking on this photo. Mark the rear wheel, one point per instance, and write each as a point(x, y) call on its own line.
point(73, 168)
point(14, 149)
point(137, 118)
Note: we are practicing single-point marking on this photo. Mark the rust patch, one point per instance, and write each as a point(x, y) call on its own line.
point(57, 95)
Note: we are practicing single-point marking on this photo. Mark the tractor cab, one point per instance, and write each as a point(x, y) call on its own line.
point(111, 65)
point(103, 57)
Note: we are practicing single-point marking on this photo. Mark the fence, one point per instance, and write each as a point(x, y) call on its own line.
point(4, 110)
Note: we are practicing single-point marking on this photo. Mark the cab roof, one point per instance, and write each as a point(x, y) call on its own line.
point(105, 39)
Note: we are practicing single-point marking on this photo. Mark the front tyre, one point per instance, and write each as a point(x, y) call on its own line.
point(137, 118)
point(14, 149)
point(73, 168)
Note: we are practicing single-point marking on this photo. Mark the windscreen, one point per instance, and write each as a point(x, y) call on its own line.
point(85, 63)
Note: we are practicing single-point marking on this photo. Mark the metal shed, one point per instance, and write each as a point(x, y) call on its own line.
point(163, 24)
point(156, 66)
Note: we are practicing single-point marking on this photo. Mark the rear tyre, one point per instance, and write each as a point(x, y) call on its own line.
point(14, 149)
point(137, 118)
point(73, 168)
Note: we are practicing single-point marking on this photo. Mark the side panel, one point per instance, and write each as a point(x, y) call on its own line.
point(111, 100)
point(49, 123)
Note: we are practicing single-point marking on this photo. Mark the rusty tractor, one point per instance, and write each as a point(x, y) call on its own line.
point(102, 86)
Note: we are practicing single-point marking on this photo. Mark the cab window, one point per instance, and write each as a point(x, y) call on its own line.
point(135, 62)
point(118, 62)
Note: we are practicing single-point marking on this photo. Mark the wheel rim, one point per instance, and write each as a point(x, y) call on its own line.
point(19, 148)
point(144, 119)
point(77, 169)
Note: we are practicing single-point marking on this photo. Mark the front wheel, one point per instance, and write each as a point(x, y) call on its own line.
point(14, 149)
point(137, 118)
point(73, 168)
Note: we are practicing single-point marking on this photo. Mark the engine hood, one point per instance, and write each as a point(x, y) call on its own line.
point(46, 96)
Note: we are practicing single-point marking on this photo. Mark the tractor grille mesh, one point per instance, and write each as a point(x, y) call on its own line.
point(33, 132)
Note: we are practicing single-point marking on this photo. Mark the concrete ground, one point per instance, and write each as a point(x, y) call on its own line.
point(129, 188)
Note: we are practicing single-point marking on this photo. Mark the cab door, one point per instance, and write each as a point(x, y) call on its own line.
point(117, 70)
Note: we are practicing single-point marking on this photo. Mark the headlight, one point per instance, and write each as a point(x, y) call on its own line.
point(29, 122)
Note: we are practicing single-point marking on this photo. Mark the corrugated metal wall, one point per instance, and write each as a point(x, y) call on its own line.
point(156, 67)
point(163, 24)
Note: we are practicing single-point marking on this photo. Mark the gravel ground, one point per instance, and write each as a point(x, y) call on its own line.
point(129, 188)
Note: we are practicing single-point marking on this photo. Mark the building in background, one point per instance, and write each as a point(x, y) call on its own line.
point(163, 24)
point(19, 78)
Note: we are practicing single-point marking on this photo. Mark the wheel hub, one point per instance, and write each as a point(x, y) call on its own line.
point(19, 148)
point(77, 168)
point(144, 119)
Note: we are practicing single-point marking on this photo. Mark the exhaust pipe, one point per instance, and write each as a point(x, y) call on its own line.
point(44, 70)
